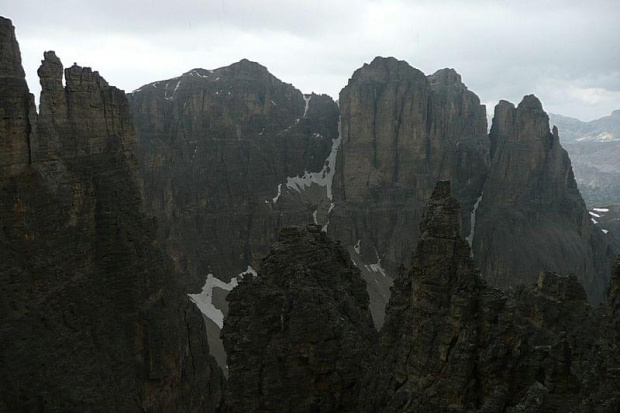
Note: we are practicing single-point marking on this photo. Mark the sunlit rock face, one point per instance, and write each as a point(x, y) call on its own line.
point(92, 316)
point(532, 216)
point(401, 132)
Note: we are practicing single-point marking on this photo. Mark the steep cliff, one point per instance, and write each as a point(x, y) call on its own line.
point(92, 316)
point(532, 217)
point(450, 343)
point(401, 132)
point(299, 335)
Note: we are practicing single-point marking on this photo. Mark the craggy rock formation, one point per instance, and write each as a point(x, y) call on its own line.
point(92, 316)
point(216, 148)
point(532, 217)
point(299, 335)
point(450, 343)
point(401, 132)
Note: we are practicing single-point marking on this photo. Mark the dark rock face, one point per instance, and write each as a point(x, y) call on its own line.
point(532, 216)
point(299, 335)
point(92, 316)
point(450, 343)
point(16, 107)
point(401, 132)
point(215, 149)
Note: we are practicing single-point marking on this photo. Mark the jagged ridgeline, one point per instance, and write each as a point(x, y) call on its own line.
point(92, 314)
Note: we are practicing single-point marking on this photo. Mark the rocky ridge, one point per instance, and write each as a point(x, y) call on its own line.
point(93, 317)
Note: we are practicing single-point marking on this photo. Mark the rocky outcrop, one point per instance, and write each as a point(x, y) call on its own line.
point(532, 217)
point(299, 335)
point(401, 132)
point(92, 316)
point(450, 343)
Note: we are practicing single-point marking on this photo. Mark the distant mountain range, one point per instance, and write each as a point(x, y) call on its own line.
point(594, 149)
point(605, 129)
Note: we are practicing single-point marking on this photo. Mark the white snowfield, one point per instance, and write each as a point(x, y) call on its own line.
point(472, 220)
point(204, 300)
point(600, 209)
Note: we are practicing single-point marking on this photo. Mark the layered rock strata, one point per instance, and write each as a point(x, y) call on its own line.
point(92, 316)
point(299, 335)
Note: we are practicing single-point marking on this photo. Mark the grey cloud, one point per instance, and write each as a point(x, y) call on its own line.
point(567, 52)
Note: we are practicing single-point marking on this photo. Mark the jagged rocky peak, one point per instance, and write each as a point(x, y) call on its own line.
point(80, 270)
point(16, 107)
point(10, 56)
point(441, 217)
point(85, 117)
point(299, 335)
point(451, 343)
point(447, 77)
point(531, 187)
point(383, 69)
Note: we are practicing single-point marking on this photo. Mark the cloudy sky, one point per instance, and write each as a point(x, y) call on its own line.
point(567, 52)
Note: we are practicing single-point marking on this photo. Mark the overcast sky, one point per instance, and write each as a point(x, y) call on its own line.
point(567, 52)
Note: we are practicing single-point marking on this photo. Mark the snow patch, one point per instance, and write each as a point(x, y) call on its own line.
point(314, 216)
point(204, 300)
point(595, 215)
point(171, 97)
point(600, 209)
point(274, 103)
point(324, 177)
point(376, 267)
point(594, 221)
point(356, 247)
point(472, 220)
point(604, 231)
point(275, 199)
point(250, 270)
point(307, 100)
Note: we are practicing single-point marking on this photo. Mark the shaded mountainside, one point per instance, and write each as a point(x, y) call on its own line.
point(531, 216)
point(299, 335)
point(92, 316)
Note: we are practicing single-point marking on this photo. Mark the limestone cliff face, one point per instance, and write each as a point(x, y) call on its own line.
point(450, 343)
point(532, 216)
point(401, 132)
point(216, 149)
point(92, 317)
point(300, 334)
